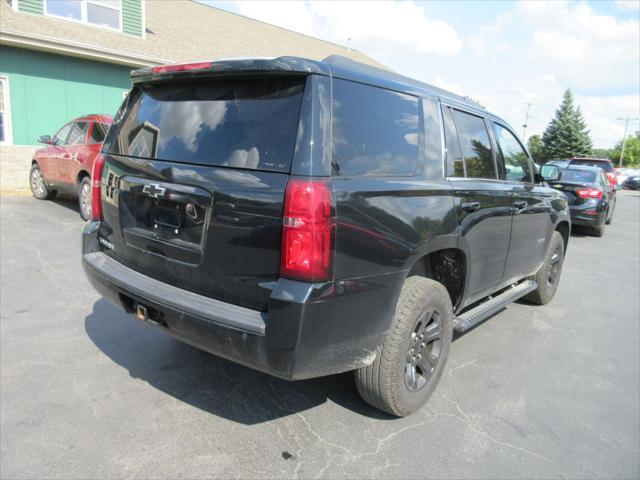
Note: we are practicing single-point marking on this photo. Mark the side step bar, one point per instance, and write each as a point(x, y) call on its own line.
point(473, 317)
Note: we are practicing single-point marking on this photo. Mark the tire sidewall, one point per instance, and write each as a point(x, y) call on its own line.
point(40, 196)
point(83, 182)
point(407, 401)
point(549, 291)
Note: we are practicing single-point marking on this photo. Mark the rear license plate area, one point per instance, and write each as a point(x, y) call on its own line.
point(169, 228)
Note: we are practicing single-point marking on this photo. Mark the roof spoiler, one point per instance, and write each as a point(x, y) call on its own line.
point(256, 66)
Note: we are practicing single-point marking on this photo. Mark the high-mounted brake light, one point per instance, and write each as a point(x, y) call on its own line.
point(307, 231)
point(589, 193)
point(96, 181)
point(181, 67)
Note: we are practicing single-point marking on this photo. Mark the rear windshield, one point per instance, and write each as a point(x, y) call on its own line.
point(606, 166)
point(235, 123)
point(579, 176)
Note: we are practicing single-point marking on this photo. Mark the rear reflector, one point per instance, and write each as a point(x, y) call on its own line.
point(182, 67)
point(96, 181)
point(307, 231)
point(589, 193)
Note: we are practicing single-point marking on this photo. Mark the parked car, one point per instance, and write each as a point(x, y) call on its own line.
point(560, 163)
point(592, 201)
point(66, 162)
point(623, 173)
point(632, 183)
point(305, 218)
point(603, 164)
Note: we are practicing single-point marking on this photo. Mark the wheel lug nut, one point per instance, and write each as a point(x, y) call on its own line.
point(419, 356)
point(422, 345)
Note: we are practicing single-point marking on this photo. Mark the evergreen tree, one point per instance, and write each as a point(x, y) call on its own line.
point(566, 135)
point(534, 144)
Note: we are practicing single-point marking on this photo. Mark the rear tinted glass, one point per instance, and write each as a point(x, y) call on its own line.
point(578, 176)
point(375, 131)
point(606, 166)
point(476, 146)
point(235, 123)
point(98, 132)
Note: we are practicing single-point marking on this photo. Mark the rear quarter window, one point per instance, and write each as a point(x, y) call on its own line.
point(375, 131)
point(241, 123)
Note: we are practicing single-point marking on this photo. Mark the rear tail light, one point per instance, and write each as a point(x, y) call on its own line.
point(182, 67)
point(589, 193)
point(307, 232)
point(612, 178)
point(96, 181)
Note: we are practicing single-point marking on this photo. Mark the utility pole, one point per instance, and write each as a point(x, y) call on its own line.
point(624, 138)
point(526, 120)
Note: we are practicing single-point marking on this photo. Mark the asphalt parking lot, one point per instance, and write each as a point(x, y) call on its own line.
point(89, 392)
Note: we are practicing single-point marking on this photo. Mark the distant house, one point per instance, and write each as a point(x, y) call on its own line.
point(63, 59)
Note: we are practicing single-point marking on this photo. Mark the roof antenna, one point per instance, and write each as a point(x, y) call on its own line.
point(348, 44)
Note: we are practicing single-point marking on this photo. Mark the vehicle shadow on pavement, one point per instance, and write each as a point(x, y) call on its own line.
point(67, 201)
point(211, 383)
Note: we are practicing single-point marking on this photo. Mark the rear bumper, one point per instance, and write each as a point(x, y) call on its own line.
point(309, 330)
point(589, 215)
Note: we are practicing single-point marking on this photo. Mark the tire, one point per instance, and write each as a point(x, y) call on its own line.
point(597, 231)
point(548, 275)
point(84, 198)
point(610, 219)
point(38, 186)
point(395, 382)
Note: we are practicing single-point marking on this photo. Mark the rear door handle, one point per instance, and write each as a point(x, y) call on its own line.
point(520, 204)
point(470, 206)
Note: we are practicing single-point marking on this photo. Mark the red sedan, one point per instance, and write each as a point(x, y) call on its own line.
point(65, 163)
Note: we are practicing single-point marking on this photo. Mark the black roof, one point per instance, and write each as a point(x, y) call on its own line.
point(335, 65)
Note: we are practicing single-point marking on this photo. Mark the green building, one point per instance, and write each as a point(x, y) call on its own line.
point(60, 59)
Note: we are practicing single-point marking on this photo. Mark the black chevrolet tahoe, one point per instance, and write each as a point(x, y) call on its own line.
point(306, 218)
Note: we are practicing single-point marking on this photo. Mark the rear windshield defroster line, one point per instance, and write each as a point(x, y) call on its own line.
point(241, 123)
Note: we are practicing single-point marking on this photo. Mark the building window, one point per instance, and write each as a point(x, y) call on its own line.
point(103, 13)
point(5, 113)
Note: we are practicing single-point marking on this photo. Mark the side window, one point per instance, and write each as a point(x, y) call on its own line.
point(98, 132)
point(375, 131)
point(455, 165)
point(476, 146)
point(516, 161)
point(60, 138)
point(78, 133)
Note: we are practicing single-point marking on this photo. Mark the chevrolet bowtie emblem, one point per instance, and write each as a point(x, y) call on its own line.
point(154, 190)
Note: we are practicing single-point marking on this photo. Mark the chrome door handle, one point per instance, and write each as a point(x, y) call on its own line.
point(470, 206)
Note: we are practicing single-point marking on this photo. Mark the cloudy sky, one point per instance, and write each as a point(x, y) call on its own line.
point(502, 53)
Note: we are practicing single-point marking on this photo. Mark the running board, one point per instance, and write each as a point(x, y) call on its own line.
point(473, 317)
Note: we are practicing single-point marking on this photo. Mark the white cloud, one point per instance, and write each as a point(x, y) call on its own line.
point(372, 26)
point(581, 47)
point(632, 5)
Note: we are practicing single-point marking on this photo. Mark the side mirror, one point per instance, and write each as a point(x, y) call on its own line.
point(44, 139)
point(550, 173)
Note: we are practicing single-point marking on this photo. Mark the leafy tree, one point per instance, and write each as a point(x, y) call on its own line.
point(601, 152)
point(566, 135)
point(631, 152)
point(534, 144)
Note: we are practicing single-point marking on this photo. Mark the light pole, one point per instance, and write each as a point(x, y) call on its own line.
point(624, 138)
point(526, 120)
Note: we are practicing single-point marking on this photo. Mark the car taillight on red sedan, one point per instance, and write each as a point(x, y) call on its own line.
point(612, 179)
point(589, 193)
point(96, 183)
point(307, 230)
